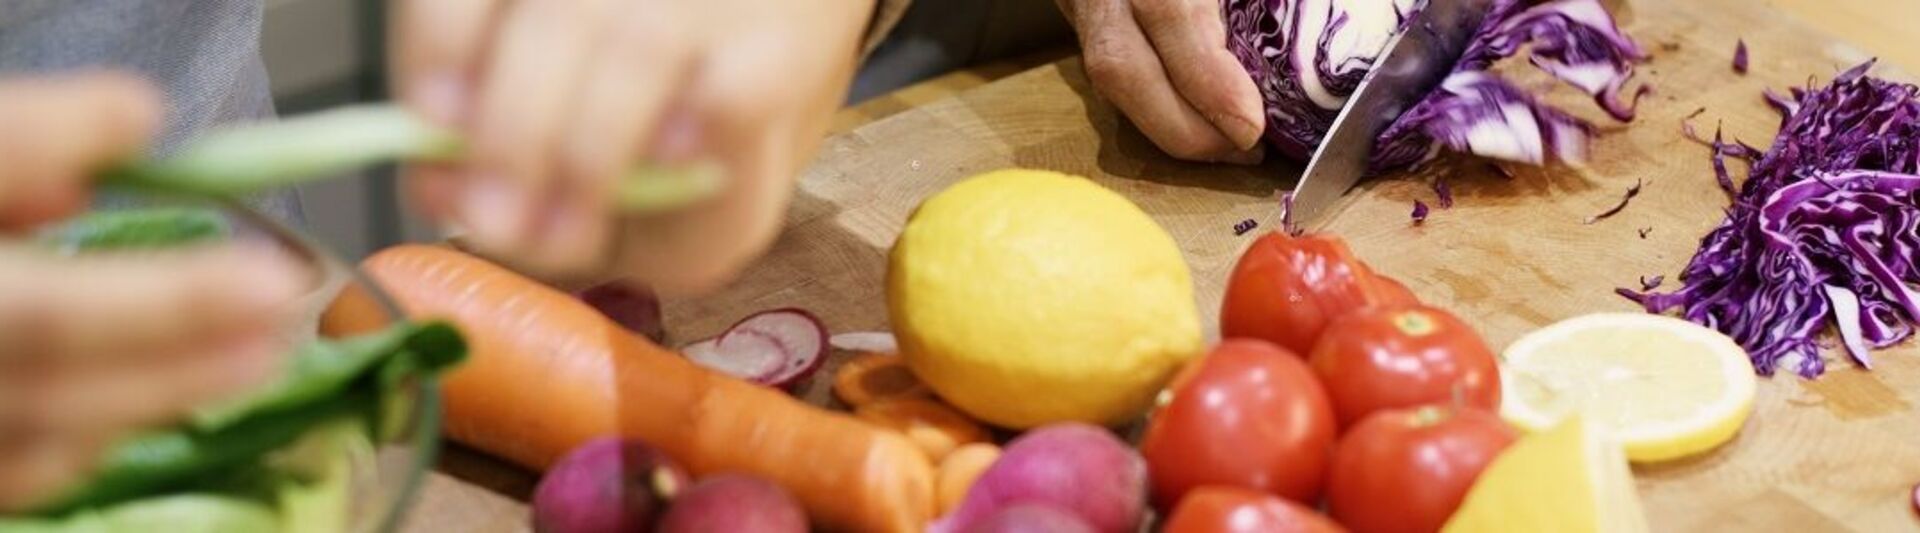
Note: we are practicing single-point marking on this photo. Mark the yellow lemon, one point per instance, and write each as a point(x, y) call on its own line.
point(1664, 387)
point(1026, 297)
point(1568, 479)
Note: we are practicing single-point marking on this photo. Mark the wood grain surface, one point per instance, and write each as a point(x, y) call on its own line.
point(1835, 454)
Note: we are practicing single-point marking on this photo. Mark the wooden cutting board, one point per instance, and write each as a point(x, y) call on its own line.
point(1839, 453)
point(1511, 255)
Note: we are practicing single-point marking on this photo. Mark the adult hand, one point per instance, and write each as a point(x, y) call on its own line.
point(95, 346)
point(559, 98)
point(1165, 64)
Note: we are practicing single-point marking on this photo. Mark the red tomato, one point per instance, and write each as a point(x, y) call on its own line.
point(1400, 357)
point(1407, 470)
point(1286, 289)
point(1238, 510)
point(1249, 414)
point(1392, 292)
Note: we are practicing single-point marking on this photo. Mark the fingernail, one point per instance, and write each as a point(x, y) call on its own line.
point(678, 139)
point(492, 210)
point(1247, 157)
point(1244, 133)
point(441, 96)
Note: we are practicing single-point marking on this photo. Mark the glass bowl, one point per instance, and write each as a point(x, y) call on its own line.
point(382, 482)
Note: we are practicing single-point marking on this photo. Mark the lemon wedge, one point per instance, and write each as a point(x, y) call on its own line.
point(1663, 387)
point(1569, 479)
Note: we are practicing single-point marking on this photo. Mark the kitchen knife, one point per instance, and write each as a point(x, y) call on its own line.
point(1414, 63)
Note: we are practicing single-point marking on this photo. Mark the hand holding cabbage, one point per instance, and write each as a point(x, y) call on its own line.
point(1305, 57)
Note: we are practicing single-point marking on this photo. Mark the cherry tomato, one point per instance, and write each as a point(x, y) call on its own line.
point(1249, 414)
point(1238, 510)
point(1286, 289)
point(1395, 358)
point(1407, 470)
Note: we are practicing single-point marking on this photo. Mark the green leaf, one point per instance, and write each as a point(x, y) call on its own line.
point(152, 463)
point(327, 380)
point(133, 229)
point(325, 368)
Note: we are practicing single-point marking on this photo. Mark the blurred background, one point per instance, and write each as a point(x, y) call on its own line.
point(324, 53)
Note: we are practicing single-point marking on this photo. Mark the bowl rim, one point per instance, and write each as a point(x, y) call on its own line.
point(423, 439)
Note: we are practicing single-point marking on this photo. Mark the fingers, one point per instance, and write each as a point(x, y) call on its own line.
point(142, 387)
point(438, 46)
point(36, 467)
point(93, 346)
point(1126, 71)
point(632, 76)
point(59, 131)
point(1191, 41)
point(80, 310)
point(760, 139)
point(516, 197)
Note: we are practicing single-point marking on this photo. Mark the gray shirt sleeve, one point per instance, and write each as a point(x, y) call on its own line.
point(205, 54)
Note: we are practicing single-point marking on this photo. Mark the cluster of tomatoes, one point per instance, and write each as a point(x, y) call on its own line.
point(1334, 385)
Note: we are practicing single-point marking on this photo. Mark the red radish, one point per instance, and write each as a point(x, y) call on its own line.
point(733, 502)
point(606, 485)
point(779, 348)
point(634, 308)
point(1074, 467)
point(866, 341)
point(1029, 518)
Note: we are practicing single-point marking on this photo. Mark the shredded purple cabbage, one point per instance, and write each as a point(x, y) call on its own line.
point(1631, 192)
point(1419, 212)
point(1307, 57)
point(1740, 56)
point(1825, 229)
point(1443, 192)
point(1647, 284)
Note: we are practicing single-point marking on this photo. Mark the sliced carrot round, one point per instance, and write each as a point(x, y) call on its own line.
point(871, 377)
point(957, 473)
point(933, 426)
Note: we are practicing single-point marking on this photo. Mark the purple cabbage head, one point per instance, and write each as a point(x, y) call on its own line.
point(1825, 230)
point(1308, 56)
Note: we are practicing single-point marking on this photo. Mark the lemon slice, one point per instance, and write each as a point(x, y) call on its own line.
point(1569, 479)
point(1665, 387)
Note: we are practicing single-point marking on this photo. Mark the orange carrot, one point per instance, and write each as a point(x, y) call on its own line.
point(870, 377)
point(547, 373)
point(354, 311)
point(958, 471)
point(933, 426)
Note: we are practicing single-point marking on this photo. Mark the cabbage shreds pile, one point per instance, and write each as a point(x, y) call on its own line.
point(1307, 57)
point(1825, 230)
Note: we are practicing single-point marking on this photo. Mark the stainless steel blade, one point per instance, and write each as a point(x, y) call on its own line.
point(1413, 64)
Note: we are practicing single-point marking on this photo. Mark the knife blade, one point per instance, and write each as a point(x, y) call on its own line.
point(1414, 63)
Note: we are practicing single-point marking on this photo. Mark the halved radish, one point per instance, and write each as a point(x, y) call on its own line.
point(866, 341)
point(634, 308)
point(778, 348)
